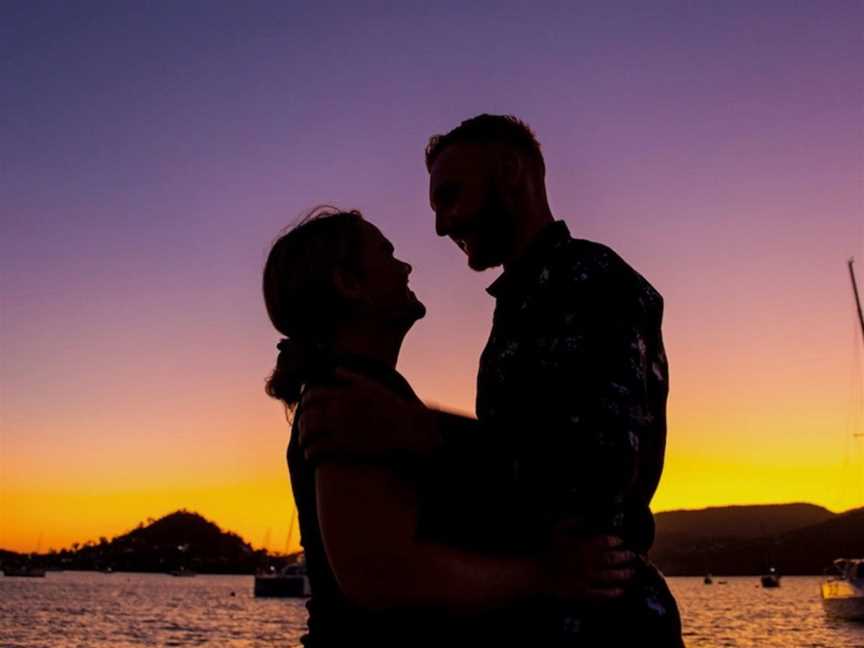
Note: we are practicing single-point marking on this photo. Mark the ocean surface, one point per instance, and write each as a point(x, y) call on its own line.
point(67, 609)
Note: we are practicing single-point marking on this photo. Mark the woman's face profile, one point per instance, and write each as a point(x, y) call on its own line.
point(383, 280)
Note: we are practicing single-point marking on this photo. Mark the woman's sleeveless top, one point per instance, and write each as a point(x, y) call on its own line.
point(334, 621)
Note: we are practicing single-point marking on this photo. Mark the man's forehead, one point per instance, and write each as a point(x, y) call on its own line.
point(458, 159)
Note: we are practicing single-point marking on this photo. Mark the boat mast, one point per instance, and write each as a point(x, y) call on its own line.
point(857, 297)
point(290, 530)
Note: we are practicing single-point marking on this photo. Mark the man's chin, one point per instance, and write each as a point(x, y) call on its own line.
point(415, 311)
point(479, 263)
point(418, 309)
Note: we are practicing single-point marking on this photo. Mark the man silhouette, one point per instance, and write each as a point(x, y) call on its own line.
point(573, 380)
point(567, 448)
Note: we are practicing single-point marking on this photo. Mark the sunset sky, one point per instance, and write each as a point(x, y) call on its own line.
point(150, 152)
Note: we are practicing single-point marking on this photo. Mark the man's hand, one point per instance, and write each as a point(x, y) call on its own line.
point(358, 415)
point(587, 569)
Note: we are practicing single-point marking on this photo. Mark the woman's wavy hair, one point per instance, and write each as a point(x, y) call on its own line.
point(301, 299)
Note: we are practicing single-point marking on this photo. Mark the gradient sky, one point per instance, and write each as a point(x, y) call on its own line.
point(152, 150)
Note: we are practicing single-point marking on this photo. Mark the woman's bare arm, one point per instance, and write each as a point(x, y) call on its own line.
point(368, 519)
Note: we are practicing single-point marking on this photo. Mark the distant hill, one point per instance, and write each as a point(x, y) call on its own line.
point(186, 528)
point(746, 540)
point(729, 540)
point(180, 539)
point(8, 556)
point(185, 539)
point(718, 524)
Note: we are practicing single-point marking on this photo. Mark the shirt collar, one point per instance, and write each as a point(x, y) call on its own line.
point(528, 266)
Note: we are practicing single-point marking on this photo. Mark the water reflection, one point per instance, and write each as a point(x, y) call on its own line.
point(119, 610)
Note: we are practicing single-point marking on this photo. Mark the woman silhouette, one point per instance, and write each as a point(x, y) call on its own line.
point(379, 574)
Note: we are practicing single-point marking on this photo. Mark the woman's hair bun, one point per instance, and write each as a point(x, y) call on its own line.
point(295, 364)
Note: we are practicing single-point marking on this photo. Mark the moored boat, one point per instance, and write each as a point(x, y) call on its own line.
point(771, 579)
point(843, 591)
point(291, 581)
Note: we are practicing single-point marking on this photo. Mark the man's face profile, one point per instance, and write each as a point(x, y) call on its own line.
point(469, 205)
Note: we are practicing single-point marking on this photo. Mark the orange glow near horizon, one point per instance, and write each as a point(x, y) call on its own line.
point(763, 419)
point(717, 455)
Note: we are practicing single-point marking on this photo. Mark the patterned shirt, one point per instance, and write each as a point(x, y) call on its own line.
point(574, 379)
point(573, 382)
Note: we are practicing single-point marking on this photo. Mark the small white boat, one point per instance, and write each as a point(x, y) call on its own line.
point(291, 581)
point(843, 592)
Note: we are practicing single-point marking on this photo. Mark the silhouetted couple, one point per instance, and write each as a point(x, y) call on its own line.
point(527, 526)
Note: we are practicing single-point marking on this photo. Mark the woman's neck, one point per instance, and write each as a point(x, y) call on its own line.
point(379, 345)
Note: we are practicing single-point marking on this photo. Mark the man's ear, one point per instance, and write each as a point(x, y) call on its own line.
point(511, 169)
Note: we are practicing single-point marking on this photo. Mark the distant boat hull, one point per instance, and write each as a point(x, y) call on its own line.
point(281, 586)
point(24, 572)
point(844, 599)
point(770, 581)
point(850, 609)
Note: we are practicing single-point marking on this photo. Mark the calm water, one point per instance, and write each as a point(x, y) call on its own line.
point(95, 610)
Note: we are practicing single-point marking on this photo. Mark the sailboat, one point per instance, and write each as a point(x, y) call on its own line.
point(843, 591)
point(291, 581)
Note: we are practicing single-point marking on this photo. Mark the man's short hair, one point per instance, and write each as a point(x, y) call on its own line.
point(490, 129)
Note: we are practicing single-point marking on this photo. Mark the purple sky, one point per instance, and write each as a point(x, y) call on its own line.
point(152, 150)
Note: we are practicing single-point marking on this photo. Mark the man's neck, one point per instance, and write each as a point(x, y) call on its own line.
point(527, 230)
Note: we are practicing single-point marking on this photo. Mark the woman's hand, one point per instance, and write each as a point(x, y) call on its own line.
point(587, 569)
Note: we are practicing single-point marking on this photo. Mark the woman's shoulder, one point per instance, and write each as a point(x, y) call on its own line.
point(357, 420)
point(320, 430)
